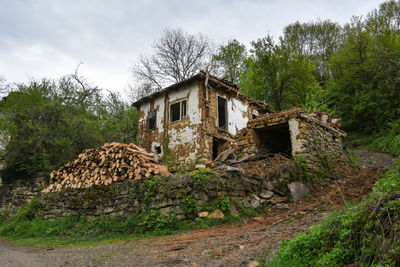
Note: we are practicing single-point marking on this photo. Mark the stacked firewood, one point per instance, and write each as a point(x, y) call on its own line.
point(111, 163)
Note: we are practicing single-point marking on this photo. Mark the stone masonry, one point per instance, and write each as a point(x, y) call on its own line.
point(295, 133)
point(130, 197)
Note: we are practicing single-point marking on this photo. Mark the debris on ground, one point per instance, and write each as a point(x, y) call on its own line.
point(298, 190)
point(112, 162)
point(265, 167)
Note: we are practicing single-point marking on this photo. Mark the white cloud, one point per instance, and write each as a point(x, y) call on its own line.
point(47, 38)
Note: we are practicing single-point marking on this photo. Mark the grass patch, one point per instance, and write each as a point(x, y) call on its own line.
point(28, 227)
point(387, 140)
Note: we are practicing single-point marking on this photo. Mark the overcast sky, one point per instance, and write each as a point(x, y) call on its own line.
point(49, 38)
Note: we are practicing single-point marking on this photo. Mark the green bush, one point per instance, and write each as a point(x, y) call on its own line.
point(225, 206)
point(202, 176)
point(388, 139)
point(46, 123)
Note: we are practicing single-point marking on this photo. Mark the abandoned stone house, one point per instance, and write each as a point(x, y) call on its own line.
point(191, 119)
point(199, 117)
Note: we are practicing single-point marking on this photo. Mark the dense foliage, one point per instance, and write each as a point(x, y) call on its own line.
point(277, 77)
point(351, 71)
point(231, 57)
point(45, 123)
point(365, 234)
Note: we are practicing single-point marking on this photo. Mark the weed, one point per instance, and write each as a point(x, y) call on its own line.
point(202, 176)
point(246, 212)
point(28, 212)
point(352, 158)
point(189, 207)
point(224, 205)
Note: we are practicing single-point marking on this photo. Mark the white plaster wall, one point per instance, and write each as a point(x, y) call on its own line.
point(186, 136)
point(179, 136)
point(145, 108)
point(159, 105)
point(237, 115)
point(154, 150)
point(193, 111)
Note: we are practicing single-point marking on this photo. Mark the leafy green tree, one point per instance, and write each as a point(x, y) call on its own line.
point(317, 40)
point(364, 89)
point(231, 57)
point(277, 77)
point(50, 122)
point(386, 17)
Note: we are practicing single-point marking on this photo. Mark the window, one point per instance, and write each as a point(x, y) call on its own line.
point(222, 113)
point(177, 111)
point(152, 120)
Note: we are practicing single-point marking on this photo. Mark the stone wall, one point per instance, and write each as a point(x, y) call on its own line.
point(20, 192)
point(202, 188)
point(315, 143)
point(309, 139)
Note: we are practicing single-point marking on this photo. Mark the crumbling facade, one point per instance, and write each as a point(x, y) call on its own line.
point(201, 117)
point(194, 119)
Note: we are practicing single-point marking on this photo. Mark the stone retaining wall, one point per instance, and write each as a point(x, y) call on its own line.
point(20, 192)
point(184, 195)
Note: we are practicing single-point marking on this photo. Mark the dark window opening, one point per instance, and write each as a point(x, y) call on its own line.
point(152, 120)
point(175, 112)
point(178, 111)
point(219, 145)
point(158, 149)
point(183, 108)
point(274, 139)
point(222, 113)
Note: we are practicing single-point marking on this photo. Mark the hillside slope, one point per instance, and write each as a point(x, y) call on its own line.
point(226, 245)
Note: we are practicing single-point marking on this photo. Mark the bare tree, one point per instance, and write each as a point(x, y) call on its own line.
point(177, 56)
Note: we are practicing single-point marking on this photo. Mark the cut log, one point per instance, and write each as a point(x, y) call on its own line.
point(113, 162)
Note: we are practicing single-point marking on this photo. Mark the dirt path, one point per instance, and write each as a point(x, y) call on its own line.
point(370, 159)
point(234, 245)
point(227, 245)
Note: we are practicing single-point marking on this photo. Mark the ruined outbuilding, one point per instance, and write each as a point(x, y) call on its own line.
point(201, 117)
point(295, 133)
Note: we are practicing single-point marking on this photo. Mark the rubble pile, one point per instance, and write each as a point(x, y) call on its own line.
point(111, 163)
point(265, 167)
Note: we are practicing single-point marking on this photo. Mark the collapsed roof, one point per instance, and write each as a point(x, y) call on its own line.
point(207, 79)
